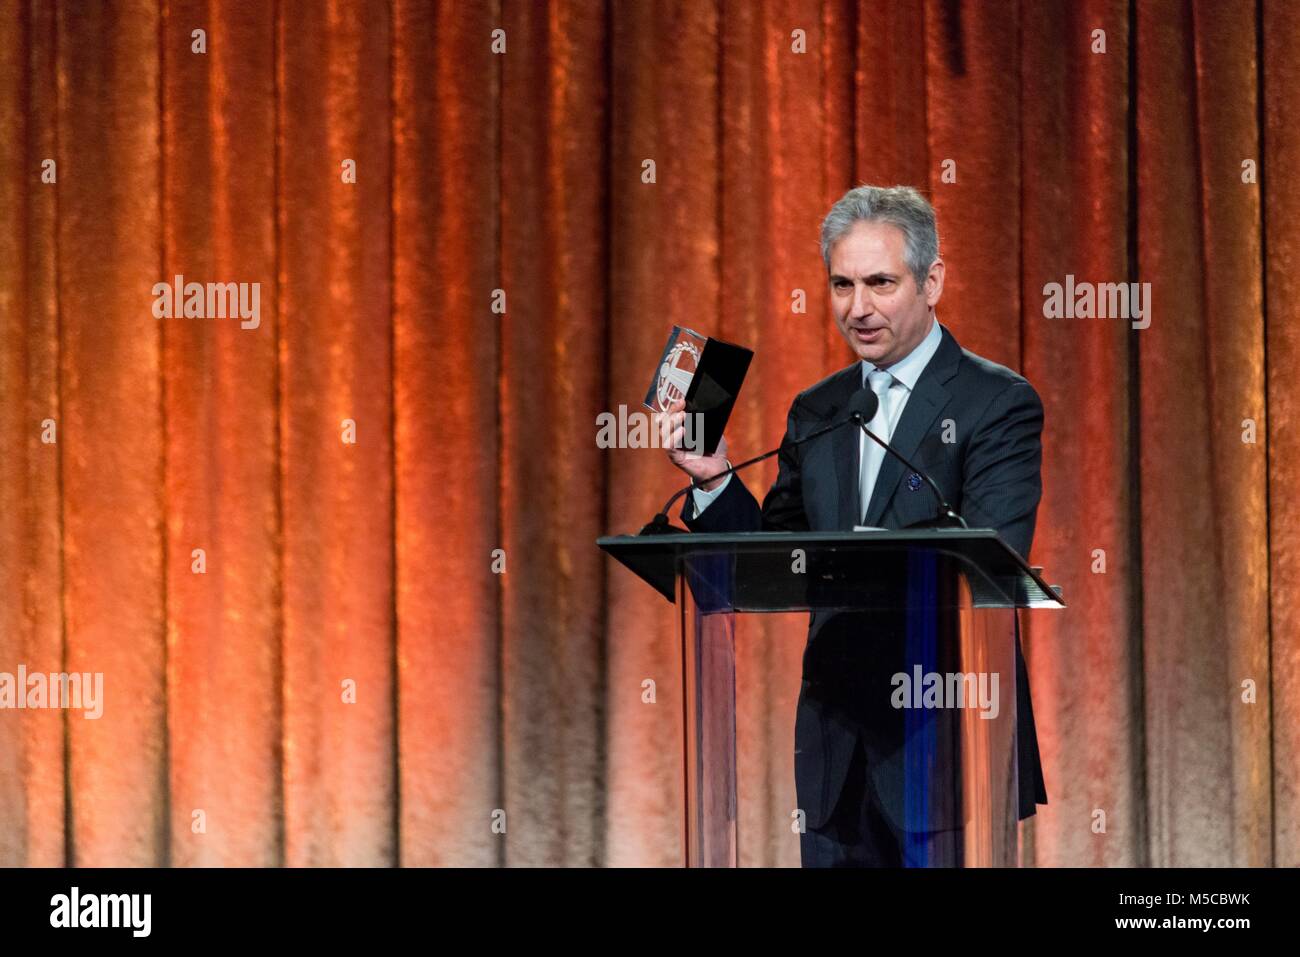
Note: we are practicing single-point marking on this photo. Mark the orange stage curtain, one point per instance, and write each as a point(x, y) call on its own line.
point(403, 646)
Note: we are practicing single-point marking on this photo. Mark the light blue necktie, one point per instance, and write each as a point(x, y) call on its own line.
point(869, 453)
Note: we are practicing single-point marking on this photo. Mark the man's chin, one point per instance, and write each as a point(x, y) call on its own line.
point(872, 353)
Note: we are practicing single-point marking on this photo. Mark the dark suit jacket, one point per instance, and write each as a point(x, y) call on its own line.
point(989, 473)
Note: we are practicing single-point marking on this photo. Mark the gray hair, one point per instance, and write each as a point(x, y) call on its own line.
point(900, 206)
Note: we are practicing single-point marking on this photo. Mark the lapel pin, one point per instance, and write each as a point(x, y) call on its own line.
point(913, 482)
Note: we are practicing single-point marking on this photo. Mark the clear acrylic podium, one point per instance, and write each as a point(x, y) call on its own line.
point(912, 627)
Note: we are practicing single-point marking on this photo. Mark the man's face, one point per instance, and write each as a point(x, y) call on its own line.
point(878, 308)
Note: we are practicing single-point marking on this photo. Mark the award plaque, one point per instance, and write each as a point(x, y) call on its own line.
point(707, 373)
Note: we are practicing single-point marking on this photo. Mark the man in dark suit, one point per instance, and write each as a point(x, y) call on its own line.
point(972, 425)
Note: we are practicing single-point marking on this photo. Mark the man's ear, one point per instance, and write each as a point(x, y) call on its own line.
point(934, 283)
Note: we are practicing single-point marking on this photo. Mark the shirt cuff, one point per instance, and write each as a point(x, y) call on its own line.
point(703, 499)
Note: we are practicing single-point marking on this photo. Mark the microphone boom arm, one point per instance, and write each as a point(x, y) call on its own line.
point(946, 512)
point(659, 525)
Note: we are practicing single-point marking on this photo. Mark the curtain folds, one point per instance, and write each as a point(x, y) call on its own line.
point(336, 561)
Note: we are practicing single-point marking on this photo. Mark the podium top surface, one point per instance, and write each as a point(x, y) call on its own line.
point(838, 568)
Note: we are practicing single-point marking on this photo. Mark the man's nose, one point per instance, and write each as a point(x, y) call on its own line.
point(862, 304)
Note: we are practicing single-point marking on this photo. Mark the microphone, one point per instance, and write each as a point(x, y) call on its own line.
point(860, 409)
point(862, 403)
point(947, 517)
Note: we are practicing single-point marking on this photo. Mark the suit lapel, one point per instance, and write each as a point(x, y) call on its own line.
point(923, 406)
point(843, 462)
point(844, 455)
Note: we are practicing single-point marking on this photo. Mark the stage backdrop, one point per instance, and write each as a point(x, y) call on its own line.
point(336, 559)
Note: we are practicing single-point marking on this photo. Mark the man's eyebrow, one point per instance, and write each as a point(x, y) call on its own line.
point(836, 277)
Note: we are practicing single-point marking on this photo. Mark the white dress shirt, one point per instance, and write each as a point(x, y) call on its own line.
point(906, 371)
